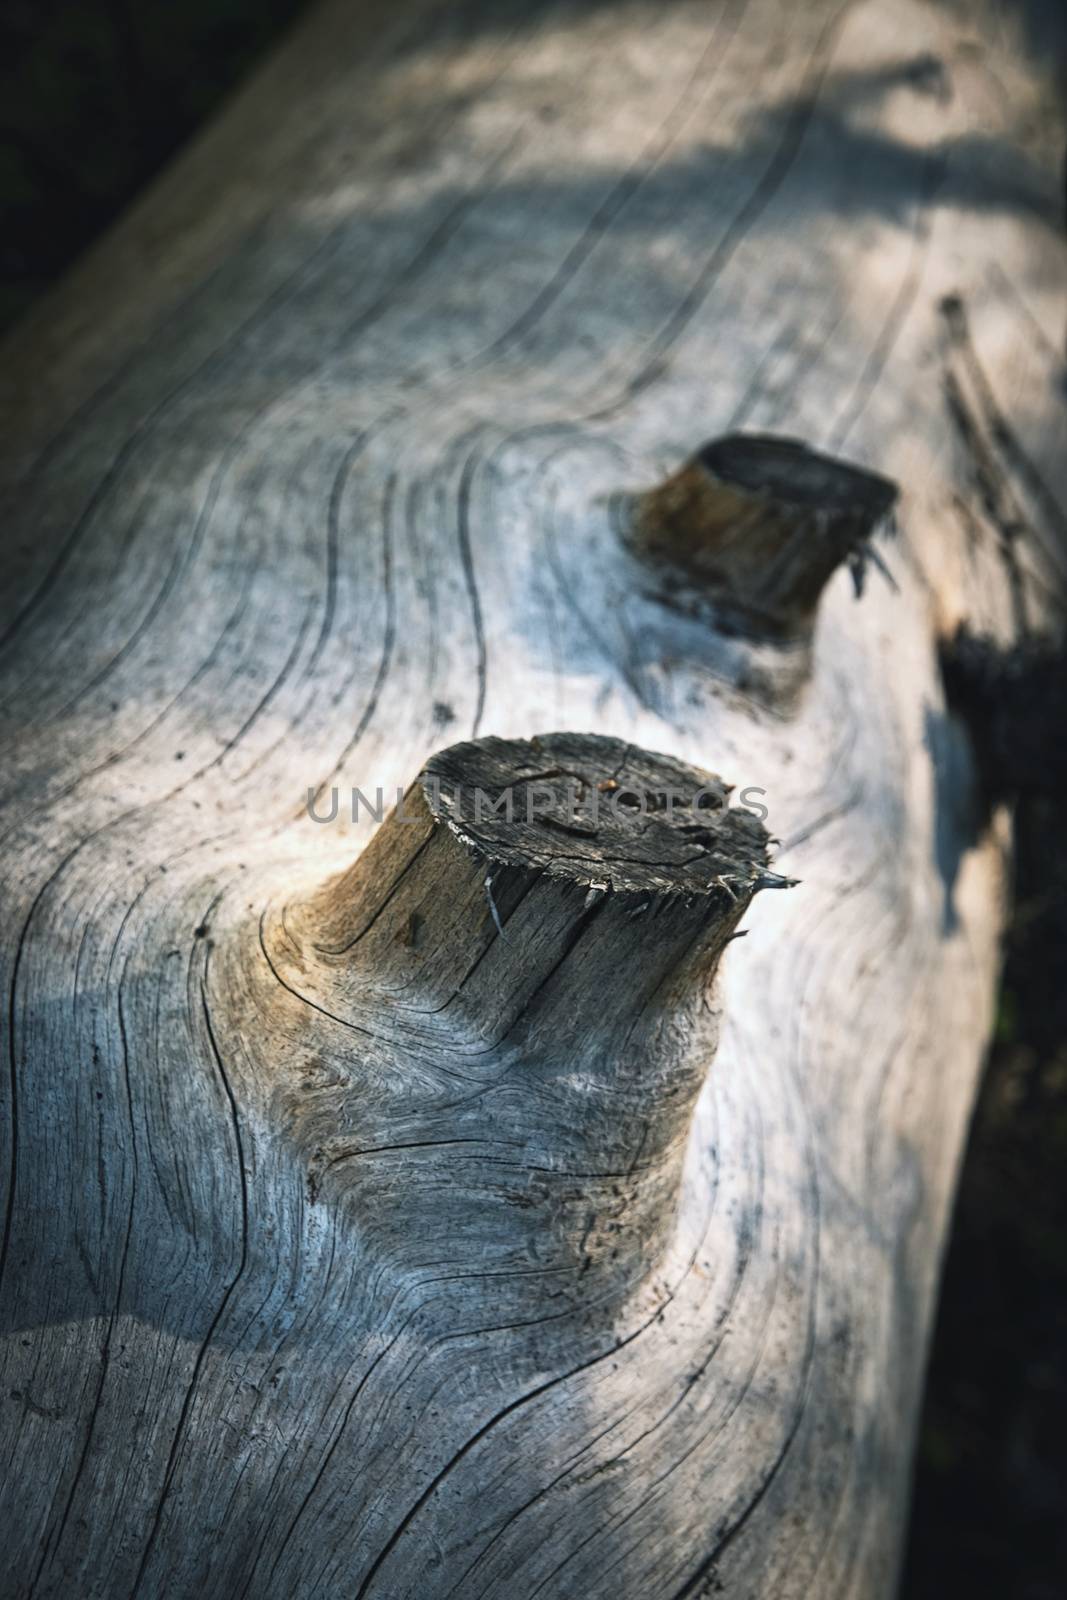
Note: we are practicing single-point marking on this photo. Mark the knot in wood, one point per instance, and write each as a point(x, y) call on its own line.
point(756, 525)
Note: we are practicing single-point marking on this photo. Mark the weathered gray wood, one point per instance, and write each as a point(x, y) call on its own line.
point(325, 462)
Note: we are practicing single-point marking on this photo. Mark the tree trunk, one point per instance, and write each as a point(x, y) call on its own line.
point(418, 1218)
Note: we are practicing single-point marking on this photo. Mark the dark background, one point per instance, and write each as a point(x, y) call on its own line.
point(96, 94)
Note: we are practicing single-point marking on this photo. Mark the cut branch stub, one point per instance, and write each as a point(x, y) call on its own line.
point(540, 921)
point(757, 525)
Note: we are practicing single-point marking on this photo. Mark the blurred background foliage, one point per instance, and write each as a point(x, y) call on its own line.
point(95, 96)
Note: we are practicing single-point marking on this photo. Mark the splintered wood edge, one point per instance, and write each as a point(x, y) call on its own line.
point(756, 525)
point(600, 813)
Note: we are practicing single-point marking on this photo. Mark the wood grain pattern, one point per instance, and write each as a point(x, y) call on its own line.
point(316, 467)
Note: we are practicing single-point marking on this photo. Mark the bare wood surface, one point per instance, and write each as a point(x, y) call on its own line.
point(322, 463)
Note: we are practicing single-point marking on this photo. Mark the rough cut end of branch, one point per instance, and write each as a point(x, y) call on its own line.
point(498, 841)
point(598, 813)
point(757, 525)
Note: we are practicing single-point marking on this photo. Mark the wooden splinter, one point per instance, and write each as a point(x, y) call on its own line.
point(540, 921)
point(756, 525)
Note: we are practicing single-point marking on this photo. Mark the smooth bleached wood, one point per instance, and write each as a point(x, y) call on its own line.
point(321, 473)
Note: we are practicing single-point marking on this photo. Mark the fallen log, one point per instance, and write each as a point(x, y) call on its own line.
point(451, 1205)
